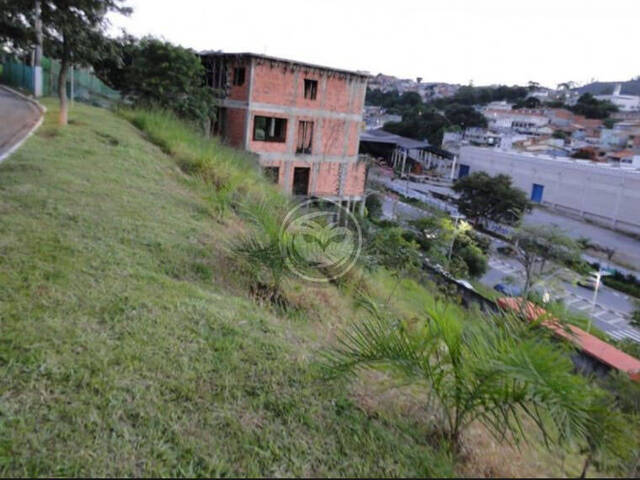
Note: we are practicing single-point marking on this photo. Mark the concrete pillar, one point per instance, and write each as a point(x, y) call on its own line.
point(37, 81)
point(404, 161)
point(362, 202)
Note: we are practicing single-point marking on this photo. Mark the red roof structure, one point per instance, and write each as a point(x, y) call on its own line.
point(589, 344)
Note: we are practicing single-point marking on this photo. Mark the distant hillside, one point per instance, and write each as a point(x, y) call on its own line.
point(631, 87)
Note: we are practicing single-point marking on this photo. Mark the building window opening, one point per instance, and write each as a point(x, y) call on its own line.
point(269, 129)
point(272, 174)
point(218, 127)
point(238, 76)
point(310, 89)
point(301, 180)
point(305, 137)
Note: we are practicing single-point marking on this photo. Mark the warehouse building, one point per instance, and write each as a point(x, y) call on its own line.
point(605, 194)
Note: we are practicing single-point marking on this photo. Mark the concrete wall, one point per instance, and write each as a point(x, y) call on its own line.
point(276, 89)
point(606, 195)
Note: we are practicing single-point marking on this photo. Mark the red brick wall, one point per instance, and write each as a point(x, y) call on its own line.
point(328, 181)
point(234, 131)
point(280, 84)
point(239, 92)
point(354, 185)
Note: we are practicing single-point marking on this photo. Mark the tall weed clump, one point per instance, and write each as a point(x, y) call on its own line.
point(230, 178)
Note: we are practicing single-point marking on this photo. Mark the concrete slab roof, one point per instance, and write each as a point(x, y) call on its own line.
point(220, 53)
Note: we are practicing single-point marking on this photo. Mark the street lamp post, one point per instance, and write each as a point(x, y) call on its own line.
point(599, 274)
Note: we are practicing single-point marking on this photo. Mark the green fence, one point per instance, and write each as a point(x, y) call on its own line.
point(82, 84)
point(17, 75)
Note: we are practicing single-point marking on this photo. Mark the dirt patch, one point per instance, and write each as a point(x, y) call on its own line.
point(108, 139)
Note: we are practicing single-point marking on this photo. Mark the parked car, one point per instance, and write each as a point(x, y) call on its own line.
point(465, 284)
point(508, 290)
point(589, 281)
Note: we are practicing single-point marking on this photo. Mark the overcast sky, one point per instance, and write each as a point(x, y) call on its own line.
point(457, 41)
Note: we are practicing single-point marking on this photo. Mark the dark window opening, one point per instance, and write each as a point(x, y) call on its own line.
point(310, 89)
point(218, 127)
point(238, 76)
point(269, 129)
point(272, 174)
point(301, 180)
point(305, 137)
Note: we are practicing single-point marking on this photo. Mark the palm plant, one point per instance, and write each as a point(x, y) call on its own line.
point(260, 252)
point(489, 370)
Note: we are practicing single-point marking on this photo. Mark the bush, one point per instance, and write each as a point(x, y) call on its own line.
point(389, 248)
point(155, 73)
point(373, 205)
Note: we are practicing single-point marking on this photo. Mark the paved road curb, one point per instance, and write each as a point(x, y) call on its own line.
point(42, 110)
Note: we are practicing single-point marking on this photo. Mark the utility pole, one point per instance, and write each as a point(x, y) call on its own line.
point(37, 58)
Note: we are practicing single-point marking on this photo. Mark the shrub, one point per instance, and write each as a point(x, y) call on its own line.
point(373, 205)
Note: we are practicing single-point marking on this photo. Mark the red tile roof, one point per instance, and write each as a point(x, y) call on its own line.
point(589, 344)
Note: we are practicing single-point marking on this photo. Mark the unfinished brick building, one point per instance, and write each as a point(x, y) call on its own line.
point(302, 120)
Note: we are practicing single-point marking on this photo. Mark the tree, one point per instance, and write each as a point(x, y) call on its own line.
point(483, 197)
point(464, 116)
point(591, 107)
point(611, 442)
point(529, 102)
point(540, 247)
point(420, 125)
point(489, 370)
point(153, 72)
point(389, 248)
point(463, 251)
point(74, 33)
point(16, 25)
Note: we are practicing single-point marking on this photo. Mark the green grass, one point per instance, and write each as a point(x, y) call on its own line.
point(127, 346)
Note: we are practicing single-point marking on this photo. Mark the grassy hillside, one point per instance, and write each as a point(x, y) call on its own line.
point(123, 353)
point(130, 344)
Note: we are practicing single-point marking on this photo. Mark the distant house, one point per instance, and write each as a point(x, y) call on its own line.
point(303, 121)
point(626, 103)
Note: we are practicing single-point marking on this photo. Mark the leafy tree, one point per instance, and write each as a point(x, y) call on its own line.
point(529, 102)
point(591, 107)
point(560, 134)
point(155, 72)
point(387, 100)
point(428, 125)
point(541, 250)
point(373, 205)
point(74, 33)
point(611, 442)
point(483, 197)
point(389, 248)
point(16, 25)
point(410, 99)
point(461, 249)
point(487, 370)
point(464, 116)
point(472, 256)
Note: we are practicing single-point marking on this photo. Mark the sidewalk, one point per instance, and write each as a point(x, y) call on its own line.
point(18, 116)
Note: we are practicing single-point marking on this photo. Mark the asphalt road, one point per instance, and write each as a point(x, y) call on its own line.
point(17, 117)
point(610, 313)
